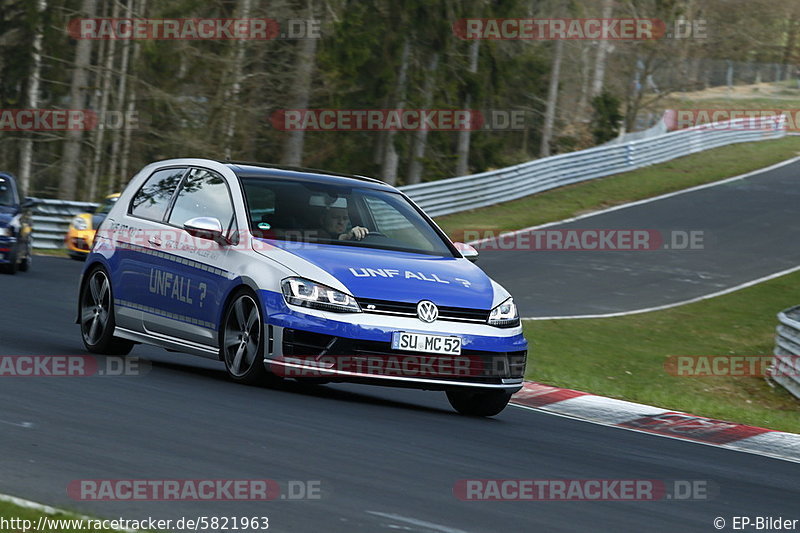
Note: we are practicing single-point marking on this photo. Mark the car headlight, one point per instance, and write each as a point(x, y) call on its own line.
point(5, 231)
point(79, 223)
point(306, 293)
point(504, 315)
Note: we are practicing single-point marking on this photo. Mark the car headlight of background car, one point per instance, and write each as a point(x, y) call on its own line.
point(80, 223)
point(306, 293)
point(5, 231)
point(504, 315)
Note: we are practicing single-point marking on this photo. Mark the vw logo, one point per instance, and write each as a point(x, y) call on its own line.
point(427, 311)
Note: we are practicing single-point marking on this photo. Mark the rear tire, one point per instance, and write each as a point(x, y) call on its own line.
point(479, 402)
point(96, 315)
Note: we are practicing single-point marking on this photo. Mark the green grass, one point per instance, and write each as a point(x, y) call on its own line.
point(10, 510)
point(565, 202)
point(57, 252)
point(623, 357)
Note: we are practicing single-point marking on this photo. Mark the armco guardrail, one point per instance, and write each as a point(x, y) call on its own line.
point(786, 361)
point(51, 221)
point(452, 195)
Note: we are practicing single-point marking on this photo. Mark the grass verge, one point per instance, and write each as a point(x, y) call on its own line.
point(54, 252)
point(681, 173)
point(59, 521)
point(623, 357)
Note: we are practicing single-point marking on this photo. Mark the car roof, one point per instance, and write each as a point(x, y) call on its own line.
point(258, 170)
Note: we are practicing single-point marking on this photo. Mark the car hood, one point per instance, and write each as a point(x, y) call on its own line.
point(398, 276)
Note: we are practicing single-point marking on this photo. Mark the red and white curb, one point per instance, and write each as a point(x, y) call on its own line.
point(658, 421)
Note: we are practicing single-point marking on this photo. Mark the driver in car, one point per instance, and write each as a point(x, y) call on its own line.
point(334, 225)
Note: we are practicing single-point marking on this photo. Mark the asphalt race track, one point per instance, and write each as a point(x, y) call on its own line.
point(750, 229)
point(386, 459)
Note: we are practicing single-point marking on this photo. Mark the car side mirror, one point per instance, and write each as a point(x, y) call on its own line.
point(205, 228)
point(28, 203)
point(468, 251)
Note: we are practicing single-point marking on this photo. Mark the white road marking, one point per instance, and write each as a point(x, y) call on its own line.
point(740, 446)
point(674, 304)
point(646, 200)
point(420, 523)
point(26, 425)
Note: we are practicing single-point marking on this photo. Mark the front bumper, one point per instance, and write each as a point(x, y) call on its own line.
point(356, 347)
point(8, 246)
point(79, 242)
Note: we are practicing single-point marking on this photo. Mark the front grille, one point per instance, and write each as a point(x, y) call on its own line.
point(494, 366)
point(452, 314)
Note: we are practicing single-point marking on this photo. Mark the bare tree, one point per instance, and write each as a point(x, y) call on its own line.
point(131, 108)
point(70, 160)
point(232, 93)
point(464, 136)
point(26, 150)
point(552, 99)
point(98, 135)
point(421, 135)
point(306, 61)
point(603, 47)
point(390, 157)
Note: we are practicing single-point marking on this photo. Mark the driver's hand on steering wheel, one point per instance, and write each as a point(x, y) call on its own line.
point(356, 233)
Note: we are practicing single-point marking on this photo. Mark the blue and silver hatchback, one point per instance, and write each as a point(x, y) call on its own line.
point(292, 273)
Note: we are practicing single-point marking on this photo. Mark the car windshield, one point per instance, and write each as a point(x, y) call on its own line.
point(6, 193)
point(105, 207)
point(336, 214)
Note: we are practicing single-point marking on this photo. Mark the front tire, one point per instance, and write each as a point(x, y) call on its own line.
point(478, 402)
point(242, 340)
point(96, 312)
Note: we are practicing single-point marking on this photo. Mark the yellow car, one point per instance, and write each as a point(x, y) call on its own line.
point(80, 235)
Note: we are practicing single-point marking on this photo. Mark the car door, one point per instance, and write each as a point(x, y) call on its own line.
point(184, 278)
point(133, 233)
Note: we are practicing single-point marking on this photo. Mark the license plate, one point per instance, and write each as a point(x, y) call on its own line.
point(423, 343)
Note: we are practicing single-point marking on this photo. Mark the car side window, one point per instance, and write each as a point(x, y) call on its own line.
point(152, 200)
point(202, 194)
point(6, 193)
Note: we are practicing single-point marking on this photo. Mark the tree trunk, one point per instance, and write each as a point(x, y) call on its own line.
point(602, 53)
point(98, 135)
point(232, 95)
point(131, 108)
point(464, 136)
point(390, 158)
point(420, 141)
point(306, 62)
point(26, 150)
point(552, 99)
point(70, 160)
point(119, 107)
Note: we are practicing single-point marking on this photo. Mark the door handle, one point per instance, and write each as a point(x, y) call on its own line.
point(155, 241)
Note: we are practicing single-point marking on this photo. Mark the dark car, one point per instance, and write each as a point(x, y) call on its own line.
point(15, 227)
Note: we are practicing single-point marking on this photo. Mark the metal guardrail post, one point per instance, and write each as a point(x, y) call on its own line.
point(786, 356)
